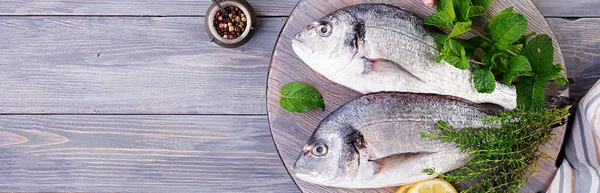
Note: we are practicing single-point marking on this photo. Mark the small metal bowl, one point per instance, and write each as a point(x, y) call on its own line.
point(244, 37)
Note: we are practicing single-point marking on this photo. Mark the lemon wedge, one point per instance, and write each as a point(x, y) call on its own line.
point(431, 186)
point(404, 189)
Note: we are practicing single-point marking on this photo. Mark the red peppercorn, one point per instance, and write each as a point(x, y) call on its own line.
point(218, 13)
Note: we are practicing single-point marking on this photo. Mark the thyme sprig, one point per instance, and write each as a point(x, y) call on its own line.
point(505, 153)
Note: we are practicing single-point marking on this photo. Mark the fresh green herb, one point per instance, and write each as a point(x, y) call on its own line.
point(505, 153)
point(299, 97)
point(507, 53)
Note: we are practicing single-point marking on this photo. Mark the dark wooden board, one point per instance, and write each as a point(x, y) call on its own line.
point(123, 65)
point(549, 8)
point(190, 153)
point(291, 130)
point(133, 7)
point(580, 43)
point(569, 8)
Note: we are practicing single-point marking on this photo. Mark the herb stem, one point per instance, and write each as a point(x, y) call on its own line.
point(487, 15)
point(481, 35)
point(477, 62)
point(511, 53)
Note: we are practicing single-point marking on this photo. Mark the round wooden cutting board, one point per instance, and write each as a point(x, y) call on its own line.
point(292, 130)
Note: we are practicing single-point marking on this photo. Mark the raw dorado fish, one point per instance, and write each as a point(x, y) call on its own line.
point(378, 47)
point(374, 141)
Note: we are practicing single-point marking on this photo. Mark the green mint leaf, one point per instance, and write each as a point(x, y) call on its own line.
point(463, 63)
point(500, 60)
point(507, 29)
point(457, 48)
point(483, 3)
point(502, 13)
point(460, 28)
point(439, 19)
point(461, 8)
point(525, 39)
point(530, 93)
point(454, 53)
point(446, 7)
point(483, 80)
point(471, 45)
point(488, 55)
point(540, 53)
point(518, 65)
point(440, 39)
point(515, 48)
point(561, 81)
point(300, 97)
point(476, 10)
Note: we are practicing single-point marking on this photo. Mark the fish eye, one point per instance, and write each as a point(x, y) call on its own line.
point(319, 150)
point(324, 30)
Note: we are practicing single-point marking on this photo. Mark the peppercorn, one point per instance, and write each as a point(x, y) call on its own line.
point(231, 23)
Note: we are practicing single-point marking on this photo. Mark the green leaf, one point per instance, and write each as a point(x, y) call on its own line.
point(515, 48)
point(483, 80)
point(440, 19)
point(502, 13)
point(460, 28)
point(561, 81)
point(525, 39)
point(483, 3)
point(461, 8)
point(518, 65)
point(540, 53)
point(300, 97)
point(487, 56)
point(530, 93)
point(471, 45)
point(440, 39)
point(507, 29)
point(503, 60)
point(446, 7)
point(476, 11)
point(454, 53)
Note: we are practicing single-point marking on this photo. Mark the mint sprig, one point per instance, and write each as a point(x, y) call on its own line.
point(299, 97)
point(507, 54)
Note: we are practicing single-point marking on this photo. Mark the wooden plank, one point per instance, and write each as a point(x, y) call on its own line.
point(133, 7)
point(580, 45)
point(291, 130)
point(570, 8)
point(549, 8)
point(140, 154)
point(130, 65)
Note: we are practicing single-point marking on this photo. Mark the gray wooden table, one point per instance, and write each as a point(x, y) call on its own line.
point(129, 95)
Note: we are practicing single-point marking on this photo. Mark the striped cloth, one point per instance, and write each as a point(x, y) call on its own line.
point(580, 171)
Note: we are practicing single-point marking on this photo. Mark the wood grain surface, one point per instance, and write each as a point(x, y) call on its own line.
point(569, 8)
point(139, 153)
point(152, 57)
point(549, 8)
point(160, 8)
point(291, 130)
point(122, 65)
point(580, 43)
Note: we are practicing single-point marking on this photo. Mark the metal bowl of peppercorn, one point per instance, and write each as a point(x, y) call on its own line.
point(234, 27)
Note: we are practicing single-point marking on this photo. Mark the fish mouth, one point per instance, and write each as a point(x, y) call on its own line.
point(307, 177)
point(300, 47)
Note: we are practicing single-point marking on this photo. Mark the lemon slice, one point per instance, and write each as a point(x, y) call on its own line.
point(432, 186)
point(404, 189)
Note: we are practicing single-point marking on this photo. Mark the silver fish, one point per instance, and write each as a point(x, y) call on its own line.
point(374, 141)
point(378, 47)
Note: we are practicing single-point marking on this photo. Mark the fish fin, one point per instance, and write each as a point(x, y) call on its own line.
point(382, 65)
point(388, 162)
